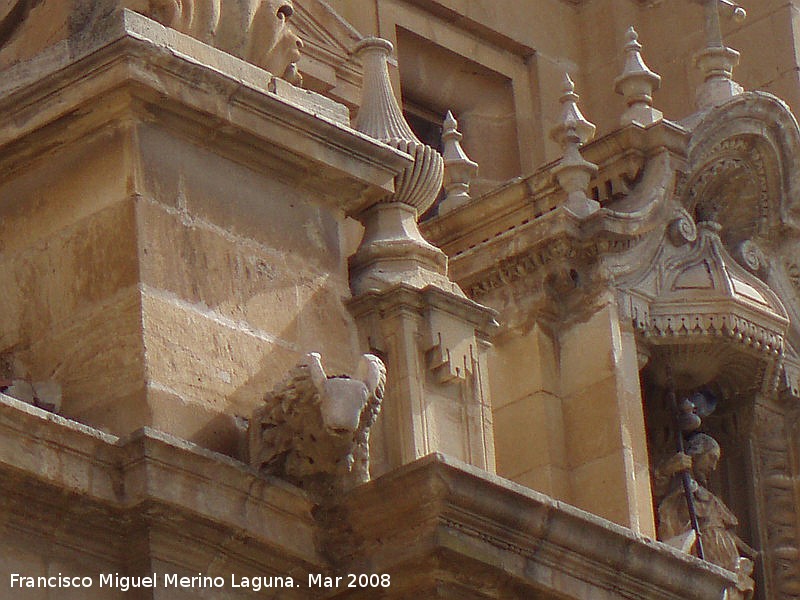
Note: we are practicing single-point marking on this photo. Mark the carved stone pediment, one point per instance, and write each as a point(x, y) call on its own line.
point(699, 306)
point(742, 172)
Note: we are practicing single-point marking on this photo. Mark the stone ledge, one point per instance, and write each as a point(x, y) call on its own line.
point(137, 70)
point(150, 496)
point(464, 516)
point(94, 490)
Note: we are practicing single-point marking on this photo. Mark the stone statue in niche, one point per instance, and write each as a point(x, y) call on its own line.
point(717, 523)
point(314, 429)
point(254, 30)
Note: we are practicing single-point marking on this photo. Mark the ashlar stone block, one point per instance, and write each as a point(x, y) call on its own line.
point(173, 230)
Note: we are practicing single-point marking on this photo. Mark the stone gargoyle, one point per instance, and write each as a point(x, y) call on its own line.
point(313, 429)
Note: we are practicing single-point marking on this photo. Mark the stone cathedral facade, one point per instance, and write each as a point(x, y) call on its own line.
point(399, 299)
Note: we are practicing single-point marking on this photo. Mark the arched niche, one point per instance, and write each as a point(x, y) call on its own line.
point(743, 172)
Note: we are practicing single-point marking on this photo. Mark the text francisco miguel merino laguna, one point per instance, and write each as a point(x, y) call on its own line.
point(199, 581)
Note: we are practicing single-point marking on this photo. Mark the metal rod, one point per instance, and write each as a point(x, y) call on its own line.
point(686, 479)
point(739, 13)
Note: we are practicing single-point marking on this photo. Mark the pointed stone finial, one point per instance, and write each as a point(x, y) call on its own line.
point(573, 172)
point(716, 61)
point(571, 117)
point(637, 83)
point(458, 168)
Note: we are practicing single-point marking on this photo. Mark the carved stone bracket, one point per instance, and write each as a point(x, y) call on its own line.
point(451, 341)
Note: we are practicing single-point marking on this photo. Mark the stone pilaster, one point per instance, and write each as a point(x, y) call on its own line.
point(431, 337)
point(605, 435)
point(435, 345)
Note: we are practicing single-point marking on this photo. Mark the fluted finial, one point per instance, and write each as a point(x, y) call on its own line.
point(573, 172)
point(380, 117)
point(716, 61)
point(458, 168)
point(637, 83)
point(392, 250)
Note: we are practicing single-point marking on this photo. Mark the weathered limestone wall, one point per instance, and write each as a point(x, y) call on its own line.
point(672, 32)
point(69, 254)
point(552, 36)
point(174, 233)
point(241, 275)
point(568, 417)
point(604, 421)
point(531, 448)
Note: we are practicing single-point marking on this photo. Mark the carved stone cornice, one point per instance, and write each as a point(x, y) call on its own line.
point(136, 64)
point(621, 157)
point(517, 241)
point(123, 501)
point(538, 547)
